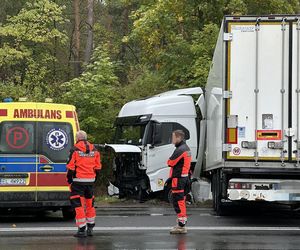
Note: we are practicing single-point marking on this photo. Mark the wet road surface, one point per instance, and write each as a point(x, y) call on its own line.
point(147, 228)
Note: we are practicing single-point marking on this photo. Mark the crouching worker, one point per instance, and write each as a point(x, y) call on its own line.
point(83, 169)
point(180, 163)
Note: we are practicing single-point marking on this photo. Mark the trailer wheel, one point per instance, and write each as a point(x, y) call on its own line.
point(216, 190)
point(68, 213)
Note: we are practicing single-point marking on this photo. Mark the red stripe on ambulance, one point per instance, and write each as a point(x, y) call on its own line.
point(69, 114)
point(3, 112)
point(52, 179)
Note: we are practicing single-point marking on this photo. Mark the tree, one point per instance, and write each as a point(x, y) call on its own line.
point(90, 35)
point(27, 44)
point(76, 38)
point(165, 32)
point(10, 8)
point(96, 95)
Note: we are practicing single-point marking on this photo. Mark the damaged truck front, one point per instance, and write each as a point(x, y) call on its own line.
point(129, 168)
point(143, 140)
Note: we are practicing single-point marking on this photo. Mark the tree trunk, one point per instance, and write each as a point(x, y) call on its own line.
point(90, 25)
point(77, 68)
point(125, 16)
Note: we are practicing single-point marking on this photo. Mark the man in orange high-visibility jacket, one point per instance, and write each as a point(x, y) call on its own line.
point(180, 163)
point(83, 169)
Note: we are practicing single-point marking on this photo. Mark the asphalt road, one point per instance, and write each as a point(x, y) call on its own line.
point(148, 228)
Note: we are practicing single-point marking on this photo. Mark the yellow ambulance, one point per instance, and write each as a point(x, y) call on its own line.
point(35, 139)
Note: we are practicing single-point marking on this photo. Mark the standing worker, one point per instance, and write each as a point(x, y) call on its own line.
point(180, 163)
point(83, 169)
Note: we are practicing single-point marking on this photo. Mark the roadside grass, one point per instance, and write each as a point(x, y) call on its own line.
point(106, 200)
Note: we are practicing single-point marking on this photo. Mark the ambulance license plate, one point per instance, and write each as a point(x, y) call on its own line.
point(12, 181)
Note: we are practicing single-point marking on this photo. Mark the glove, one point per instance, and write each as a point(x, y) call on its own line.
point(97, 174)
point(70, 174)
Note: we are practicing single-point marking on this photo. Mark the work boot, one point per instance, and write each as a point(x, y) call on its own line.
point(81, 233)
point(178, 230)
point(90, 230)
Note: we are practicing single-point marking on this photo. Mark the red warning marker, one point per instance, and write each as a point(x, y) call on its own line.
point(17, 137)
point(236, 151)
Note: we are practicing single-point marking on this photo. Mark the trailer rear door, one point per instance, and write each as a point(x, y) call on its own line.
point(261, 83)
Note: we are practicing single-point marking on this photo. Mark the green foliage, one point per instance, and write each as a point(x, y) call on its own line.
point(203, 48)
point(26, 43)
point(146, 84)
point(35, 23)
point(157, 25)
point(236, 7)
point(258, 7)
point(31, 92)
point(11, 90)
point(174, 40)
point(95, 94)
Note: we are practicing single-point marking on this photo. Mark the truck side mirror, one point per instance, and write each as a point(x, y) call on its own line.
point(157, 133)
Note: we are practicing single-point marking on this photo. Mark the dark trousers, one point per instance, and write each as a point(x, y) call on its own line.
point(180, 187)
point(82, 200)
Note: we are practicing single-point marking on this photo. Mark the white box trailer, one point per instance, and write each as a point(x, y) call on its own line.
point(252, 99)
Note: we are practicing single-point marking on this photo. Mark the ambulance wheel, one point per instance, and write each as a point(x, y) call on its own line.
point(216, 192)
point(68, 213)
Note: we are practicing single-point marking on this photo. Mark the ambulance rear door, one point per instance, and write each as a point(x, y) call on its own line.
point(55, 139)
point(18, 159)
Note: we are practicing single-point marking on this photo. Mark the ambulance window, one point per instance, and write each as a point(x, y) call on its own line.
point(17, 138)
point(55, 140)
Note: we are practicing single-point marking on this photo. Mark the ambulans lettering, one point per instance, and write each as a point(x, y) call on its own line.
point(57, 139)
point(37, 113)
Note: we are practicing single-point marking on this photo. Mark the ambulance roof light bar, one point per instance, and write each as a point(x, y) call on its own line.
point(23, 99)
point(49, 100)
point(8, 99)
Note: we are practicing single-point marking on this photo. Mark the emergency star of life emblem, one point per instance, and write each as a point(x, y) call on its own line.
point(57, 139)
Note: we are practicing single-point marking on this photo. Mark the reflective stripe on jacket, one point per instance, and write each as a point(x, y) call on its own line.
point(180, 161)
point(84, 162)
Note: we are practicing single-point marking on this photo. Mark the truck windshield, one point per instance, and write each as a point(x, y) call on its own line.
point(130, 134)
point(131, 130)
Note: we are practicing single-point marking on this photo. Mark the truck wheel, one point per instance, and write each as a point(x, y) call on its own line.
point(216, 190)
point(40, 213)
point(142, 195)
point(68, 213)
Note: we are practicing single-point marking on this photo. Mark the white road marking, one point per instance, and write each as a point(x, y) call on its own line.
point(205, 214)
point(113, 216)
point(217, 228)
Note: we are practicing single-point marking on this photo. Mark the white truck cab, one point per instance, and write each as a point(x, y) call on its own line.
point(143, 138)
